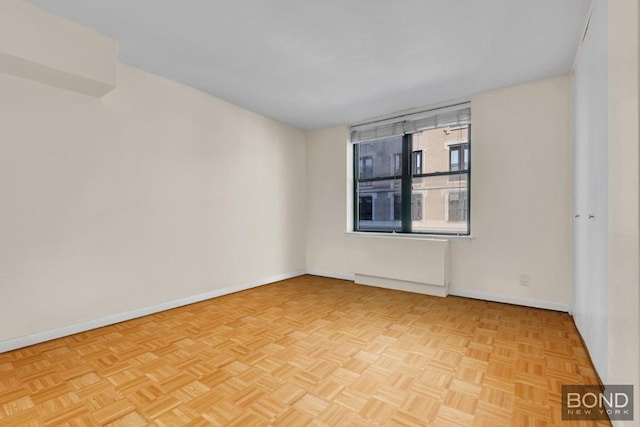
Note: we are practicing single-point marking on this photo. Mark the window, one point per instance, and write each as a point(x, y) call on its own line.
point(459, 157)
point(366, 167)
point(416, 207)
point(414, 172)
point(365, 205)
point(397, 164)
point(416, 162)
point(380, 184)
point(457, 206)
point(397, 207)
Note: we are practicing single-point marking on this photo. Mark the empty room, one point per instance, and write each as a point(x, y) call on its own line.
point(329, 213)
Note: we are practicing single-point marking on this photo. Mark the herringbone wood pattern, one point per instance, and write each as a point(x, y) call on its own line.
point(306, 351)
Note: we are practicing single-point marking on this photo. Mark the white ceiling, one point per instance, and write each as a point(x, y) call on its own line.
point(313, 64)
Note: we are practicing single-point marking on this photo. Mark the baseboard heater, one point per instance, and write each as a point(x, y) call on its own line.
point(412, 265)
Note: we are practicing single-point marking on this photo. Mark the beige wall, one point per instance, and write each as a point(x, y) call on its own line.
point(153, 193)
point(520, 194)
point(520, 198)
point(37, 45)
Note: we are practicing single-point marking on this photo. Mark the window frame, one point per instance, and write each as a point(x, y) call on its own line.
point(406, 179)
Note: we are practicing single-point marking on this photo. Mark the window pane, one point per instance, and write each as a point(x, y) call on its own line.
point(397, 206)
point(466, 157)
point(377, 159)
point(416, 160)
point(454, 159)
point(365, 208)
point(397, 163)
point(379, 204)
point(444, 204)
point(365, 166)
point(436, 145)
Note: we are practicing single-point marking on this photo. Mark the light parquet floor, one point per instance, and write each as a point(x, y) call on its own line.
point(306, 351)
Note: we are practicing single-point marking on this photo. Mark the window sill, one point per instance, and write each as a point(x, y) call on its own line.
point(439, 237)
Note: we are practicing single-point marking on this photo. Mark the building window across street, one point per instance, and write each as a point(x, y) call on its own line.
point(366, 167)
point(412, 173)
point(458, 157)
point(416, 162)
point(457, 206)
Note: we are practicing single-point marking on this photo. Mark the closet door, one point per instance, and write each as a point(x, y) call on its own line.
point(590, 175)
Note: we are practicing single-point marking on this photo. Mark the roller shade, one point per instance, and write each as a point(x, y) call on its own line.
point(455, 115)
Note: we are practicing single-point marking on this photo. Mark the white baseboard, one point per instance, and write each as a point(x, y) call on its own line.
point(340, 276)
point(527, 302)
point(39, 337)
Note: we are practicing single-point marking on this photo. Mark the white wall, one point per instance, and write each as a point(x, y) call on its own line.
point(590, 187)
point(153, 193)
point(520, 199)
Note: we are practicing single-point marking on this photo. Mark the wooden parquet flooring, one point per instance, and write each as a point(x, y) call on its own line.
point(306, 351)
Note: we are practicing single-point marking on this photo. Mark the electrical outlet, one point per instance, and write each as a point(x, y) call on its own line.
point(524, 280)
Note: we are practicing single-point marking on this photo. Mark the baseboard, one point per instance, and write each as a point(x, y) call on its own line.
point(39, 337)
point(340, 276)
point(586, 347)
point(527, 302)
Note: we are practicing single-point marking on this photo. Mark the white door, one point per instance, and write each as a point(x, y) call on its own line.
point(590, 174)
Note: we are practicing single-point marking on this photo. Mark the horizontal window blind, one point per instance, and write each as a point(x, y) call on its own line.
point(455, 115)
